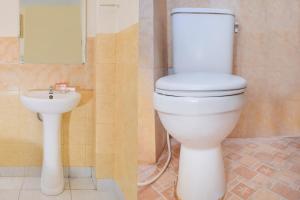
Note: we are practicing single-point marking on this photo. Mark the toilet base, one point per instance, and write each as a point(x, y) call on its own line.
point(201, 174)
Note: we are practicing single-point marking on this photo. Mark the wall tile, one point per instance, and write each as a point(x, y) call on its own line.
point(106, 48)
point(105, 104)
point(105, 164)
point(125, 164)
point(74, 155)
point(90, 155)
point(105, 109)
point(9, 50)
point(30, 128)
point(12, 154)
point(32, 154)
point(9, 77)
point(127, 45)
point(105, 82)
point(105, 138)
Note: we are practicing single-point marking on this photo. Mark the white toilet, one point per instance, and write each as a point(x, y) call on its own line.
point(201, 103)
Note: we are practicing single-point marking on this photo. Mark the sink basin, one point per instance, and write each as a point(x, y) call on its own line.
point(39, 101)
point(51, 107)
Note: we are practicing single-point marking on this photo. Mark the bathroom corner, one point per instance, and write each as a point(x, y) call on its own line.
point(153, 65)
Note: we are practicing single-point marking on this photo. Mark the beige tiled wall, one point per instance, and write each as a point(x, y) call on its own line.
point(20, 130)
point(267, 55)
point(126, 111)
point(116, 97)
point(116, 108)
point(153, 65)
point(105, 71)
point(9, 50)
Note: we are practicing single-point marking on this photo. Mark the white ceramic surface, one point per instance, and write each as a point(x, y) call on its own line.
point(200, 125)
point(200, 84)
point(38, 101)
point(52, 180)
point(200, 81)
point(202, 10)
point(201, 104)
point(202, 41)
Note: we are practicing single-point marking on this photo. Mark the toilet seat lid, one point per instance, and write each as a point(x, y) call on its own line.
point(201, 82)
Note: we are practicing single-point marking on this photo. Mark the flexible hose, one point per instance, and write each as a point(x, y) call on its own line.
point(148, 182)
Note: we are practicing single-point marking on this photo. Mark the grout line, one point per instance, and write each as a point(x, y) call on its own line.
point(21, 188)
point(95, 184)
point(71, 195)
point(85, 189)
point(19, 194)
point(69, 183)
point(160, 194)
point(23, 182)
point(236, 196)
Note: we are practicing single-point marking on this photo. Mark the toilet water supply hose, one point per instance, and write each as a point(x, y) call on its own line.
point(155, 178)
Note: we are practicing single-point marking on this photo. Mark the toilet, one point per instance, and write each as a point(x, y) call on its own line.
point(200, 104)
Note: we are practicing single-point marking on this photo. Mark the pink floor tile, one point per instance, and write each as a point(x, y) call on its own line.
point(233, 156)
point(268, 171)
point(243, 191)
point(279, 145)
point(148, 193)
point(256, 169)
point(245, 172)
point(286, 192)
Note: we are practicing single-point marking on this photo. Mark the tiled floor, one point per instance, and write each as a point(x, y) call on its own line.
point(256, 169)
point(28, 188)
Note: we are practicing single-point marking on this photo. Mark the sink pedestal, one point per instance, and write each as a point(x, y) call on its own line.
point(52, 180)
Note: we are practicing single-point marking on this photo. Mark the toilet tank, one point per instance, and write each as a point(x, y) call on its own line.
point(202, 40)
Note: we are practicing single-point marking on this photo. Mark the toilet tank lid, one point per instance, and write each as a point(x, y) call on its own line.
point(201, 81)
point(202, 11)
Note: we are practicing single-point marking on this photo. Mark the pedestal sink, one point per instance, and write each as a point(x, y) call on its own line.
point(51, 107)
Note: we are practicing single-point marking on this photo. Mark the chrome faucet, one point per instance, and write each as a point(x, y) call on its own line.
point(50, 92)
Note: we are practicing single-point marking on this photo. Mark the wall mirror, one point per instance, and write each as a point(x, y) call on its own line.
point(53, 31)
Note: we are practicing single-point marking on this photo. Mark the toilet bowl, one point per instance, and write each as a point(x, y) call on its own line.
point(201, 103)
point(200, 110)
